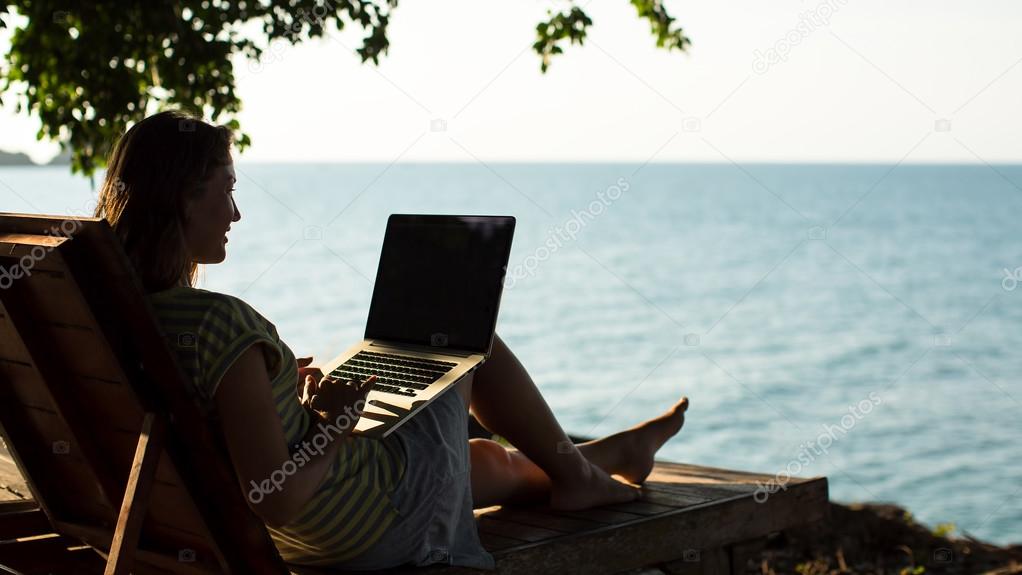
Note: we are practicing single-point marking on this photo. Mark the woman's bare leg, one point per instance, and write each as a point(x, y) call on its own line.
point(506, 401)
point(501, 475)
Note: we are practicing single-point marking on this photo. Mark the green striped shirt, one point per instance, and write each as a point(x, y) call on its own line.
point(352, 508)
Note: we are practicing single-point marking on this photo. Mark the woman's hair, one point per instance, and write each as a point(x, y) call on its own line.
point(155, 167)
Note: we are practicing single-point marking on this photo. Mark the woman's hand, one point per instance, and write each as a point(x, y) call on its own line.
point(304, 370)
point(334, 397)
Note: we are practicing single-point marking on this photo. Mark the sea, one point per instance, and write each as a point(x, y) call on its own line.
point(859, 322)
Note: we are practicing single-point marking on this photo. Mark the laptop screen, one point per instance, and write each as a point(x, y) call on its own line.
point(440, 280)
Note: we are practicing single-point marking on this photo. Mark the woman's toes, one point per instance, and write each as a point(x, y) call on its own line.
point(646, 439)
point(682, 404)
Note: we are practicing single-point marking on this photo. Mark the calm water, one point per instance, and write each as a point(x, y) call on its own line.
point(785, 301)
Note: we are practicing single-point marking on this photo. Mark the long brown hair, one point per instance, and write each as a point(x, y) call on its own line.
point(156, 166)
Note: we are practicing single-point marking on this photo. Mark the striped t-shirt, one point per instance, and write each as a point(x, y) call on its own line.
point(352, 507)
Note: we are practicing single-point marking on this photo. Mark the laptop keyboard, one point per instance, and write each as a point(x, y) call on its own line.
point(397, 374)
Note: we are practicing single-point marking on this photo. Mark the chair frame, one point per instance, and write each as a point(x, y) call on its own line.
point(86, 258)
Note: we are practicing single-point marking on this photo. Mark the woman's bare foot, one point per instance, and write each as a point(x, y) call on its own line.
point(591, 489)
point(630, 453)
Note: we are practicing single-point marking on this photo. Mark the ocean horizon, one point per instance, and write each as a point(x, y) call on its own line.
point(838, 319)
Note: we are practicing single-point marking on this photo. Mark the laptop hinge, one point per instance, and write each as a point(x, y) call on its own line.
point(424, 349)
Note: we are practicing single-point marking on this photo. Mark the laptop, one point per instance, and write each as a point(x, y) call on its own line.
point(432, 316)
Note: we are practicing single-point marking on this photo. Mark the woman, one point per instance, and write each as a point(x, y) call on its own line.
point(352, 502)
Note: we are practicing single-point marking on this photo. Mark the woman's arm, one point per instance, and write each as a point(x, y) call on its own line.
point(257, 446)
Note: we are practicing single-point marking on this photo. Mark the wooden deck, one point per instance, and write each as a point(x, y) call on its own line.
point(689, 520)
point(688, 514)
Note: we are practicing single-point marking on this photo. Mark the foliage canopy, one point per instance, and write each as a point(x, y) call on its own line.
point(91, 69)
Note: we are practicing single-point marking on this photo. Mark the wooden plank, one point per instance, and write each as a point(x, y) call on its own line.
point(682, 499)
point(199, 559)
point(136, 496)
point(18, 506)
point(173, 507)
point(107, 403)
point(67, 478)
point(50, 366)
point(12, 350)
point(17, 523)
point(62, 304)
point(538, 518)
point(493, 542)
point(65, 475)
point(659, 538)
point(53, 554)
point(680, 473)
point(706, 491)
point(16, 435)
point(514, 530)
point(601, 515)
point(641, 507)
point(118, 443)
point(18, 245)
point(84, 354)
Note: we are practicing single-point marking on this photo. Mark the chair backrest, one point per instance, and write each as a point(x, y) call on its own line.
point(82, 360)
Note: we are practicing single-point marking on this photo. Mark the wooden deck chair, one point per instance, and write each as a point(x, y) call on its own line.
point(95, 411)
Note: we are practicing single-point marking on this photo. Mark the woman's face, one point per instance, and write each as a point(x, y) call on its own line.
point(209, 217)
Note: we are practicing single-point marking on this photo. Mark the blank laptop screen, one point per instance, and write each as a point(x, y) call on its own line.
point(440, 280)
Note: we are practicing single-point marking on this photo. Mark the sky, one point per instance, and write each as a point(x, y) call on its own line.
point(784, 81)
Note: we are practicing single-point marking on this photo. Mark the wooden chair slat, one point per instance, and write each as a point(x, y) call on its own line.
point(136, 496)
point(55, 554)
point(23, 523)
point(182, 557)
point(51, 294)
point(49, 364)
